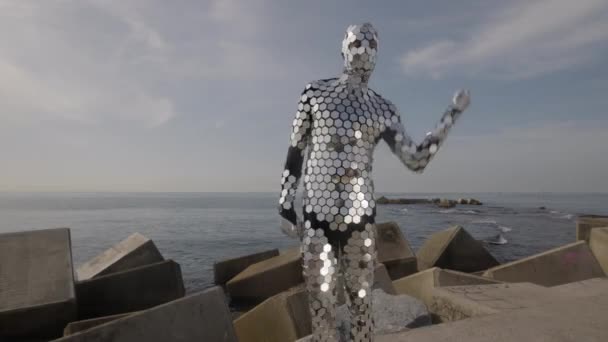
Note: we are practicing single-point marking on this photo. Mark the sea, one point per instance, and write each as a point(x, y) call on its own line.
point(198, 229)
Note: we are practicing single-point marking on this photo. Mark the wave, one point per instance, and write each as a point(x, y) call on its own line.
point(484, 221)
point(567, 216)
point(404, 210)
point(505, 229)
point(448, 211)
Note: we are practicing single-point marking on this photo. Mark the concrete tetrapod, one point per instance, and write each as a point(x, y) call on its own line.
point(203, 316)
point(134, 251)
point(37, 296)
point(454, 249)
point(132, 290)
point(565, 264)
point(394, 250)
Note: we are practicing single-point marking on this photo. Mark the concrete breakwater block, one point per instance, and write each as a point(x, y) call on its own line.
point(136, 250)
point(283, 317)
point(421, 284)
point(37, 297)
point(132, 290)
point(564, 320)
point(267, 278)
point(598, 242)
point(85, 324)
point(394, 251)
point(203, 316)
point(454, 303)
point(585, 223)
point(566, 264)
point(225, 270)
point(454, 249)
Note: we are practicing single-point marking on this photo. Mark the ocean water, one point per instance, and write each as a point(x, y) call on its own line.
point(197, 229)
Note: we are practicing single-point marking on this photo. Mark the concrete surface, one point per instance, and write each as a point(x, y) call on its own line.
point(421, 284)
point(134, 251)
point(568, 320)
point(394, 250)
point(225, 270)
point(585, 223)
point(598, 242)
point(85, 324)
point(132, 290)
point(565, 264)
point(37, 297)
point(266, 278)
point(454, 249)
point(454, 303)
point(203, 316)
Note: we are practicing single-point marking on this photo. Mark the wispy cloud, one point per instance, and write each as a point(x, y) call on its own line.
point(95, 61)
point(522, 40)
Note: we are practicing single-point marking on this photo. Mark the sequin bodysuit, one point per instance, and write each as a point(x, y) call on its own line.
point(337, 126)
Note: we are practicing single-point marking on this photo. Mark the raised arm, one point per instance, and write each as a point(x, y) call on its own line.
point(417, 156)
point(295, 158)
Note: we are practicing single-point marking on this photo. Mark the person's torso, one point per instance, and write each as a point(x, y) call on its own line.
point(345, 128)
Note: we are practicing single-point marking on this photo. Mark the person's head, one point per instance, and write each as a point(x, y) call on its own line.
point(359, 48)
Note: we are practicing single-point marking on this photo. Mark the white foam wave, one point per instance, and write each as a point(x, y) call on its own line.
point(505, 229)
point(484, 221)
point(448, 211)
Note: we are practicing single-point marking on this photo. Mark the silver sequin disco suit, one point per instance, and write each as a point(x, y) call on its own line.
point(337, 126)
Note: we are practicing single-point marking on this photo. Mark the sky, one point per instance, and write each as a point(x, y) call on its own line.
point(154, 95)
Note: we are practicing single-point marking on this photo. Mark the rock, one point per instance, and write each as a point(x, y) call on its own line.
point(566, 264)
point(445, 203)
point(136, 250)
point(203, 316)
point(391, 314)
point(382, 281)
point(283, 317)
point(132, 290)
point(585, 223)
point(421, 284)
point(37, 297)
point(384, 200)
point(225, 270)
point(598, 242)
point(266, 278)
point(394, 251)
point(454, 249)
point(472, 201)
point(563, 319)
point(83, 325)
point(542, 208)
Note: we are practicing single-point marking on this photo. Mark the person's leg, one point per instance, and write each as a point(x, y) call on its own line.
point(358, 263)
point(320, 270)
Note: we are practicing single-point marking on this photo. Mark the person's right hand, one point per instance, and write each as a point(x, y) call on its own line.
point(462, 99)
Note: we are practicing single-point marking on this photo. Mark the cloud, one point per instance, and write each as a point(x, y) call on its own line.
point(555, 156)
point(100, 61)
point(523, 40)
